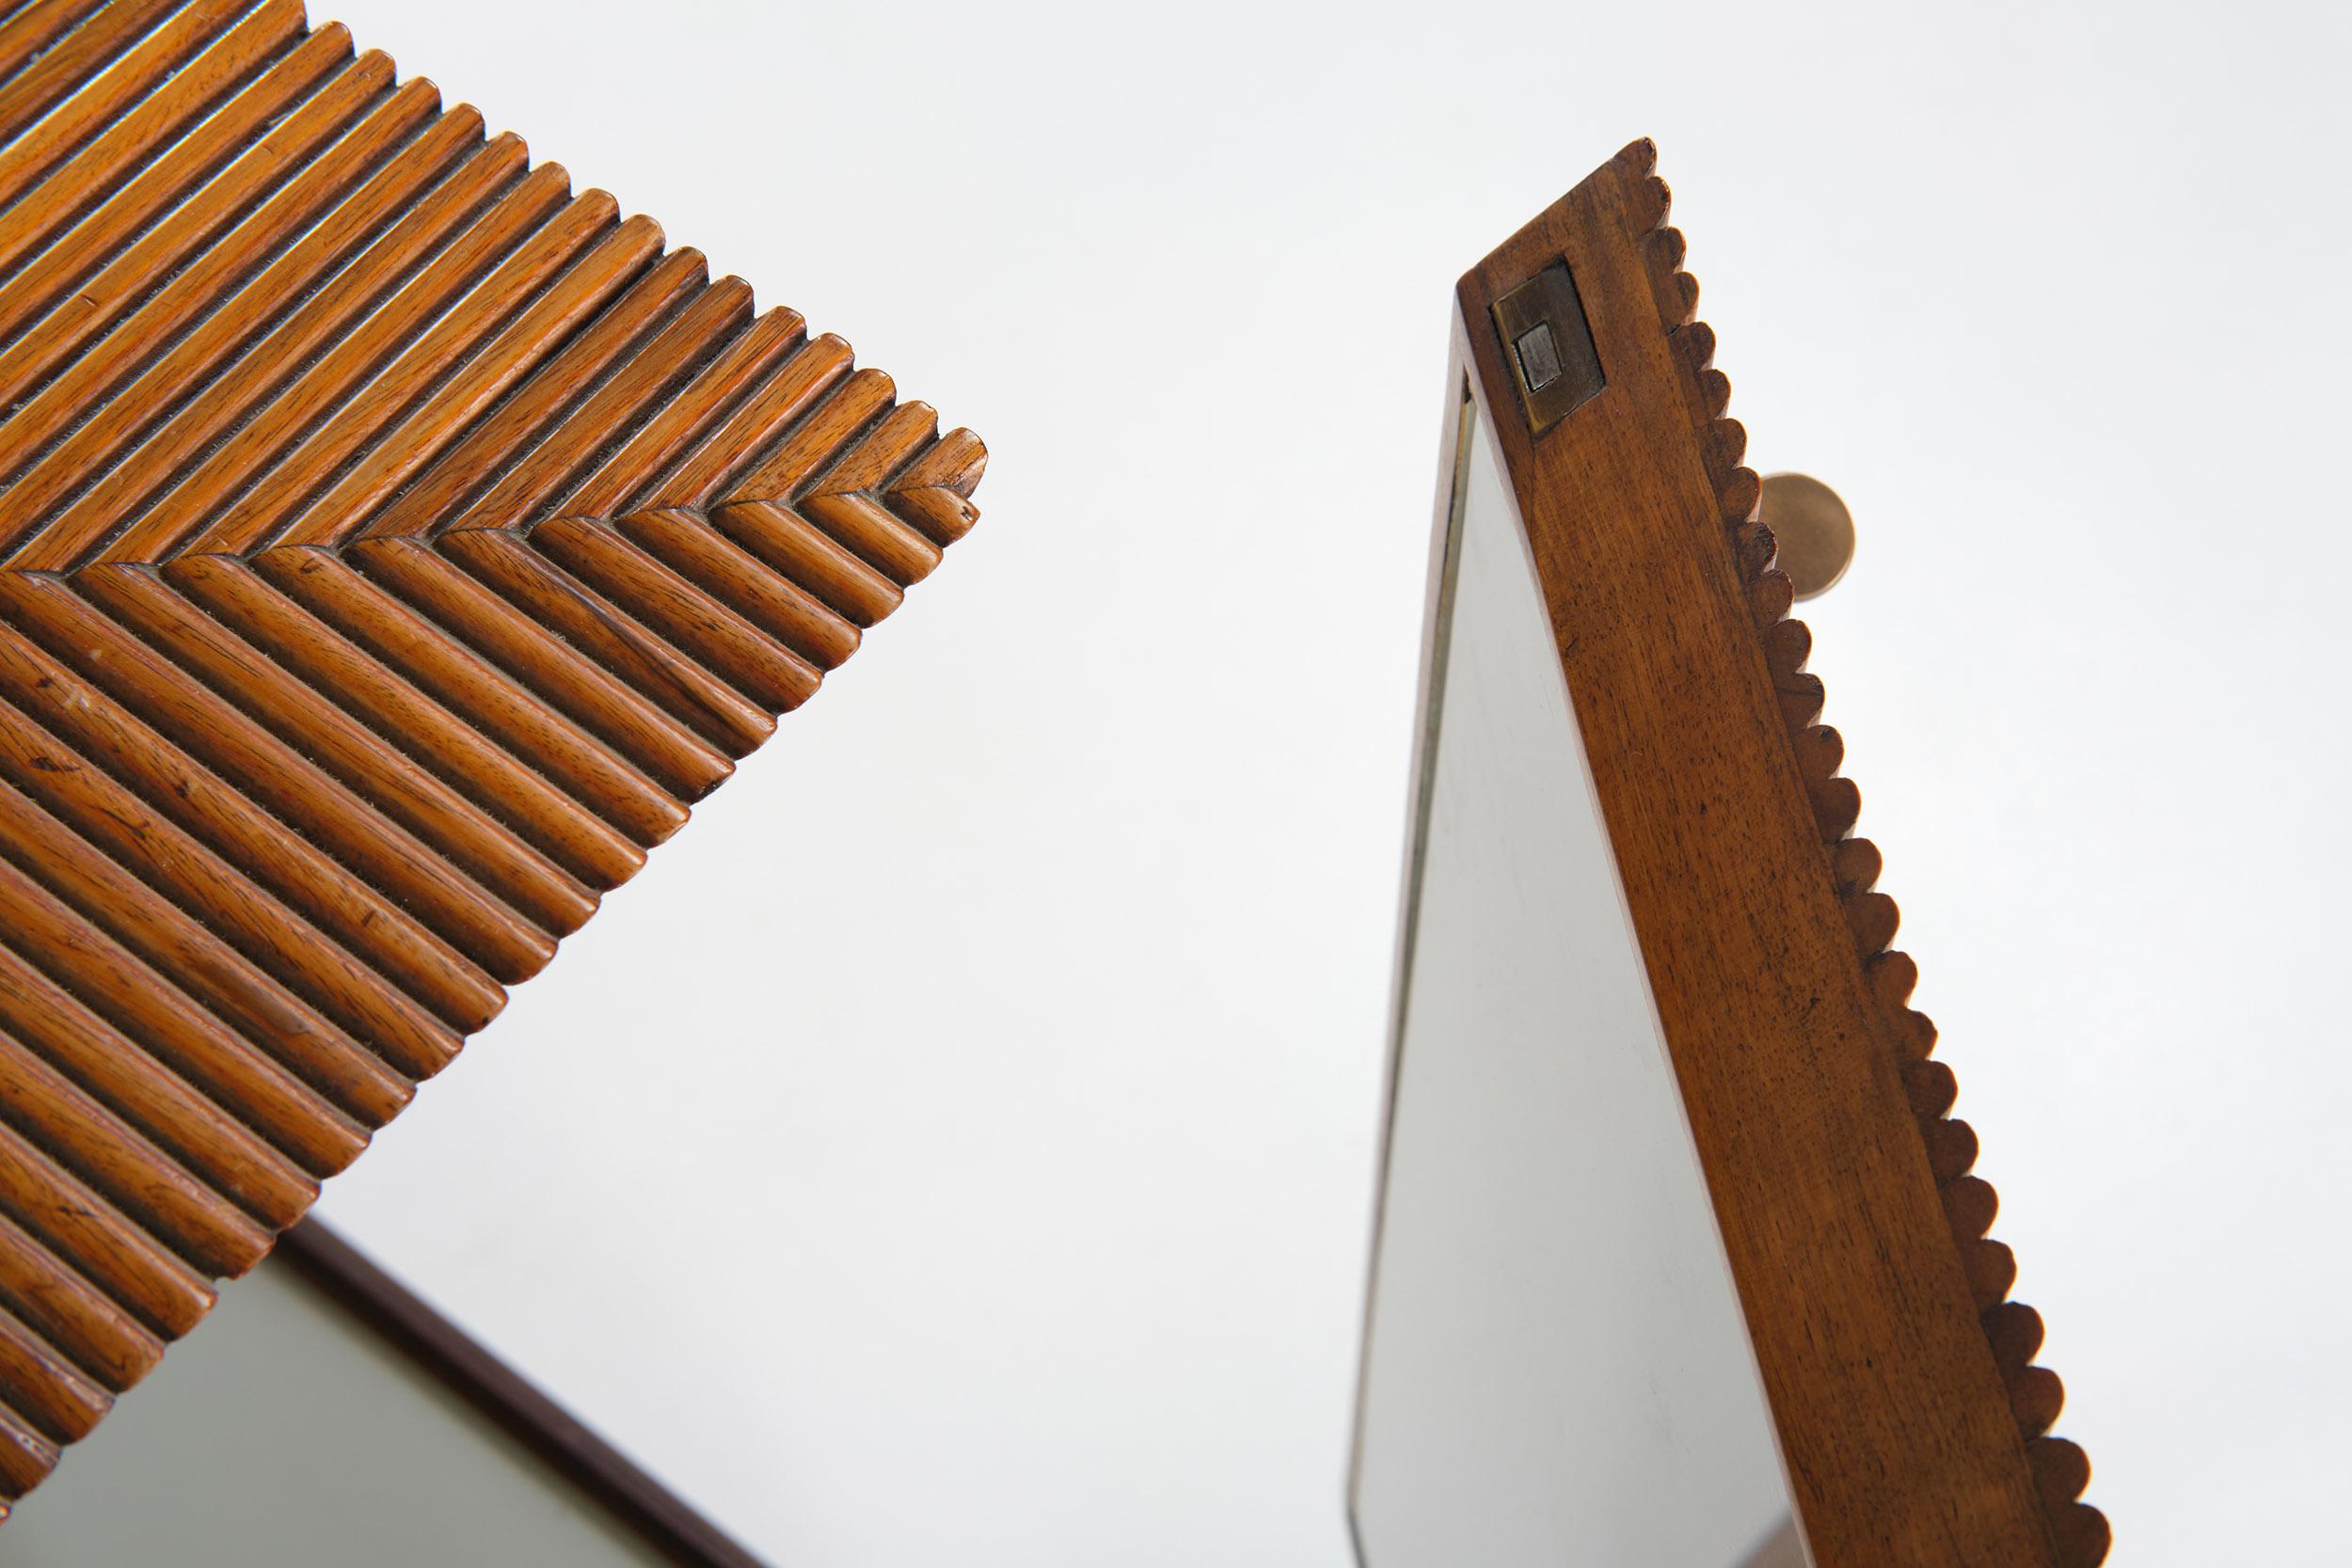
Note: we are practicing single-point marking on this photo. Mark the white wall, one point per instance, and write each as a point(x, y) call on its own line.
point(957, 1146)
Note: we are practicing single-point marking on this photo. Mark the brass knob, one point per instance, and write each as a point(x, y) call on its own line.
point(1814, 529)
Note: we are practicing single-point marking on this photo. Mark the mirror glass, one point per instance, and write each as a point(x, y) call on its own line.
point(1556, 1368)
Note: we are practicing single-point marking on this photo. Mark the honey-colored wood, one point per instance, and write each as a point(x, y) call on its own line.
point(678, 540)
point(794, 548)
point(613, 712)
point(607, 633)
point(138, 1178)
point(109, 816)
point(1900, 1377)
point(368, 608)
point(73, 1058)
point(631, 806)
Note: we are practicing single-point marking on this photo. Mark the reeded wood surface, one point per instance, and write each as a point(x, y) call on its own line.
point(1914, 1422)
point(393, 545)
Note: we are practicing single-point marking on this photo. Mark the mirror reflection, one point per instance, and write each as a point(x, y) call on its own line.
point(1556, 1366)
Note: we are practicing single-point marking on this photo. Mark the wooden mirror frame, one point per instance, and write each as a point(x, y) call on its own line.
point(1912, 1421)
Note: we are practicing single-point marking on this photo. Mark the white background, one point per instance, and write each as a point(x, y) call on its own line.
point(957, 1146)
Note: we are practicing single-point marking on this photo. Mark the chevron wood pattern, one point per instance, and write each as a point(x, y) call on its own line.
point(394, 543)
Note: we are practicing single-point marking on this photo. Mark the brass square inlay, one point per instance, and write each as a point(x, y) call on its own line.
point(1549, 346)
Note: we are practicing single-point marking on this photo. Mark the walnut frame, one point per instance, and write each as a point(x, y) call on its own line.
point(1912, 1421)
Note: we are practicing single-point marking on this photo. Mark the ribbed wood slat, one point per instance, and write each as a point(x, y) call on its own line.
point(51, 265)
point(318, 139)
point(169, 379)
point(788, 545)
point(774, 407)
point(72, 1220)
point(619, 717)
point(31, 28)
point(139, 1179)
point(607, 633)
point(262, 516)
point(666, 437)
point(286, 799)
point(132, 80)
point(509, 716)
point(109, 816)
point(153, 116)
point(255, 370)
point(208, 971)
point(551, 319)
point(51, 1297)
point(561, 383)
point(366, 611)
point(712, 325)
point(202, 1135)
point(176, 1029)
point(859, 399)
point(722, 641)
point(682, 542)
point(432, 737)
point(84, 52)
point(257, 516)
point(341, 374)
point(55, 1396)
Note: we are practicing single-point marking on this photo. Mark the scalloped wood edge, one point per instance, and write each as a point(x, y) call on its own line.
point(2061, 1470)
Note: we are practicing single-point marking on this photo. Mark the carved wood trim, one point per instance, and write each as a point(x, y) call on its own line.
point(1913, 1424)
point(393, 545)
point(2013, 1329)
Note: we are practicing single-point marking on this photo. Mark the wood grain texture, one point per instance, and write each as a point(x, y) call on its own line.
point(394, 545)
point(1900, 1377)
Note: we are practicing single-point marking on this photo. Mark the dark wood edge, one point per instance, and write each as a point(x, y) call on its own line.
point(1912, 1421)
point(2058, 1470)
point(636, 1500)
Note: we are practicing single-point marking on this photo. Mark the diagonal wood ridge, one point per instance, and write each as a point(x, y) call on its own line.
point(393, 545)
